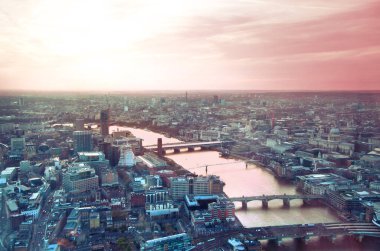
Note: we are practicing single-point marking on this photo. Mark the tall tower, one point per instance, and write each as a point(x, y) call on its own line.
point(159, 147)
point(104, 122)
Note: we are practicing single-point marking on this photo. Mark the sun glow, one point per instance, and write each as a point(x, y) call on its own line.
point(171, 44)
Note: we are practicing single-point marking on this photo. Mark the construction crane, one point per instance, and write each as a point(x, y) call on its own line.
point(218, 164)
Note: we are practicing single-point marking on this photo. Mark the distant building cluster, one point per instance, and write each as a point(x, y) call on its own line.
point(71, 181)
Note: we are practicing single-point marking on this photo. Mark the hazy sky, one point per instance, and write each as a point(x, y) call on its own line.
point(194, 44)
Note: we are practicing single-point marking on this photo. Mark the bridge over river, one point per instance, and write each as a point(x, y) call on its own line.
point(190, 146)
point(297, 231)
point(284, 197)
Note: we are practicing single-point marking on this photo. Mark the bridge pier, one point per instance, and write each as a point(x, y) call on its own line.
point(274, 242)
point(190, 149)
point(244, 205)
point(301, 241)
point(264, 203)
point(359, 238)
point(305, 202)
point(286, 202)
point(177, 150)
point(332, 238)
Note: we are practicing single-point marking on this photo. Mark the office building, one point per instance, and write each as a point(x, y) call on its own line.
point(82, 141)
point(80, 178)
point(181, 186)
point(104, 122)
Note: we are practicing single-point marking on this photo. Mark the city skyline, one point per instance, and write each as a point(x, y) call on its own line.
point(171, 45)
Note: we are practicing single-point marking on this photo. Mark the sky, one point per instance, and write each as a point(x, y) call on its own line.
point(127, 45)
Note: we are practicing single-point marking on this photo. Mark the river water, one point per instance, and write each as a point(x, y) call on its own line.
point(252, 180)
point(244, 181)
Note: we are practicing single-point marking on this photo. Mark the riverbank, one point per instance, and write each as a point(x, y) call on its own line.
point(179, 170)
point(168, 132)
point(242, 179)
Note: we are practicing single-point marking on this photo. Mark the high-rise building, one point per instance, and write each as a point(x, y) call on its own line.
point(82, 141)
point(104, 122)
point(79, 124)
point(114, 156)
point(159, 147)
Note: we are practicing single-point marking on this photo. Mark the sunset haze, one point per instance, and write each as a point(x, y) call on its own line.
point(117, 45)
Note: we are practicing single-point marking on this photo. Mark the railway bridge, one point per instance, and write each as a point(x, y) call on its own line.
point(303, 232)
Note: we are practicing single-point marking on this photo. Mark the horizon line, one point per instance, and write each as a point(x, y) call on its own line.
point(184, 90)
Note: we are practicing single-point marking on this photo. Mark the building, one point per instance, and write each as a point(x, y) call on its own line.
point(209, 135)
point(162, 210)
point(93, 158)
point(79, 124)
point(9, 173)
point(179, 187)
point(25, 166)
point(138, 199)
point(127, 157)
point(7, 128)
point(104, 122)
point(53, 247)
point(134, 143)
point(321, 183)
point(222, 211)
point(17, 146)
point(352, 200)
point(209, 210)
point(236, 245)
point(156, 195)
point(82, 141)
point(80, 178)
point(109, 179)
point(171, 242)
point(202, 185)
point(94, 220)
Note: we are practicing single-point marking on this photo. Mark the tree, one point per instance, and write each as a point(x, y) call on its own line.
point(123, 244)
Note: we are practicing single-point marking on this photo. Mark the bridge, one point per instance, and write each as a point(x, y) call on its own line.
point(297, 231)
point(176, 147)
point(284, 197)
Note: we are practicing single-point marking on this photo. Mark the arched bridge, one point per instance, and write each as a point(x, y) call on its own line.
point(286, 198)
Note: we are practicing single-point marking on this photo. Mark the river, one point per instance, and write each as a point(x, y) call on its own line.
point(252, 180)
point(241, 181)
